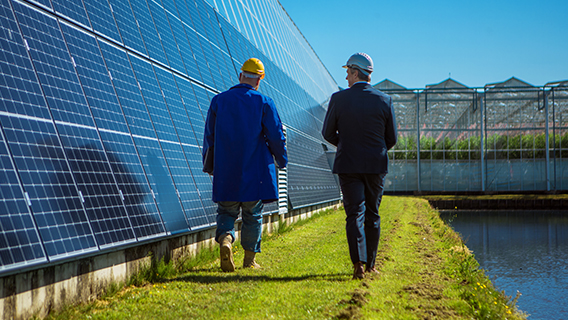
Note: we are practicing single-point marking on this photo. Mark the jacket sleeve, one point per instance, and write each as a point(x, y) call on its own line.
point(272, 129)
point(209, 139)
point(390, 128)
point(329, 130)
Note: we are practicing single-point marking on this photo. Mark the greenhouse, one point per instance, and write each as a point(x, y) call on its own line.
point(507, 136)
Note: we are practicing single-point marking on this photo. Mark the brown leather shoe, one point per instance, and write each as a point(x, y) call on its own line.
point(358, 271)
point(372, 271)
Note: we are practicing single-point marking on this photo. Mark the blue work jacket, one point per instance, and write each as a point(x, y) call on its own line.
point(242, 134)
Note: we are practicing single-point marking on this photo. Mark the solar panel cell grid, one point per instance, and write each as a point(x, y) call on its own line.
point(185, 185)
point(55, 202)
point(203, 101)
point(21, 93)
point(202, 48)
point(165, 34)
point(133, 185)
point(72, 9)
point(95, 80)
point(127, 25)
point(98, 190)
point(154, 99)
point(193, 112)
point(161, 183)
point(102, 19)
point(54, 66)
point(148, 30)
point(182, 123)
point(185, 48)
point(128, 91)
point(231, 37)
point(19, 240)
point(309, 176)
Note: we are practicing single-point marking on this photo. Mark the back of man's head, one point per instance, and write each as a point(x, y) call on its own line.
point(362, 63)
point(252, 72)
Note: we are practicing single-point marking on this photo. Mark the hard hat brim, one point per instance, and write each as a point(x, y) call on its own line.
point(365, 72)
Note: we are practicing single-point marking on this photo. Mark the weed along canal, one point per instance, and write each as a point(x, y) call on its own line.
point(520, 250)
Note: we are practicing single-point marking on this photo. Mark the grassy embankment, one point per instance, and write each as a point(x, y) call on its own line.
point(426, 273)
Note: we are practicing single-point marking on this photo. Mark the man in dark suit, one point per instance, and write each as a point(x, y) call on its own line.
point(360, 122)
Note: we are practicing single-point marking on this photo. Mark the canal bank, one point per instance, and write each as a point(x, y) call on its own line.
point(499, 202)
point(521, 251)
point(425, 272)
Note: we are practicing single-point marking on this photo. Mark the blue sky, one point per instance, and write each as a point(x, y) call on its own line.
point(417, 43)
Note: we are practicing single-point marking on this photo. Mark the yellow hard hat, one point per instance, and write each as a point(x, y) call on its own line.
point(253, 65)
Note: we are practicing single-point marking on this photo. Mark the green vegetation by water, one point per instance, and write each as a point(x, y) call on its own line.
point(425, 272)
point(498, 146)
point(494, 197)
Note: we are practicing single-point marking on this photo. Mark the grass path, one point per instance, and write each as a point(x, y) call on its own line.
point(425, 274)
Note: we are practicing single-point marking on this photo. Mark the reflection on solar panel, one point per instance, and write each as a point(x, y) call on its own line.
point(102, 112)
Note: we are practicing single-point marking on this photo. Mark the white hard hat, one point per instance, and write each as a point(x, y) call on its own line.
point(361, 61)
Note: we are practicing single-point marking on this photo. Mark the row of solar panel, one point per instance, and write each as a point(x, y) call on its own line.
point(100, 143)
point(282, 42)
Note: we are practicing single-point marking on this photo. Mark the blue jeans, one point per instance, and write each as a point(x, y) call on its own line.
point(227, 214)
point(362, 194)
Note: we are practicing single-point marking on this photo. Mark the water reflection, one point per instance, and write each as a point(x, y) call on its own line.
point(521, 250)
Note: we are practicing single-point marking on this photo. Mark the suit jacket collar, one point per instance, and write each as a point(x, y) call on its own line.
point(360, 85)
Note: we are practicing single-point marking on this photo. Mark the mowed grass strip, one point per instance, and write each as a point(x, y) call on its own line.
point(306, 273)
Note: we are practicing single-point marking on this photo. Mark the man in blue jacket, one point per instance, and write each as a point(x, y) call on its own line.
point(243, 137)
point(360, 122)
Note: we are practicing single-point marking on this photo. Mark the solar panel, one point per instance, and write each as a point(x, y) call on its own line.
point(154, 100)
point(73, 10)
point(161, 183)
point(44, 3)
point(97, 188)
point(185, 48)
point(54, 66)
point(186, 171)
point(193, 152)
point(19, 240)
point(148, 30)
point(102, 19)
point(201, 50)
point(46, 177)
point(168, 39)
point(128, 91)
point(309, 176)
point(235, 53)
point(215, 41)
point(95, 79)
point(127, 25)
point(21, 92)
point(133, 184)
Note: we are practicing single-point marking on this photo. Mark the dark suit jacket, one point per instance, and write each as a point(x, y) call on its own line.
point(360, 123)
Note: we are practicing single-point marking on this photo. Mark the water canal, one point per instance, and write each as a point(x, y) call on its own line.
point(525, 251)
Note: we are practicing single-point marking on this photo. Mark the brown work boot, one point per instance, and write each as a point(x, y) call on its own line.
point(249, 261)
point(227, 262)
point(358, 271)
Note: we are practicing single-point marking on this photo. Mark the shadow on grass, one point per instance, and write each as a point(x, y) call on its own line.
point(236, 277)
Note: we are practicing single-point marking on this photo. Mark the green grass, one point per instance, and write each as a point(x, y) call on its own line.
point(306, 274)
